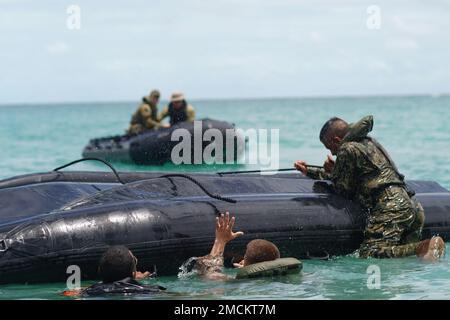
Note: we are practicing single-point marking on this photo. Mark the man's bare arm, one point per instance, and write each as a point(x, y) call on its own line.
point(224, 234)
point(210, 265)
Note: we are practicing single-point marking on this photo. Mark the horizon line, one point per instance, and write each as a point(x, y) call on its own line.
point(393, 95)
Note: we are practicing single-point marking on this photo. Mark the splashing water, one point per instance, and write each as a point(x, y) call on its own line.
point(187, 268)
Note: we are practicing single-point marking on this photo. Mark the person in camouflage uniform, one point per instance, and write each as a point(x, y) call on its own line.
point(364, 172)
point(146, 116)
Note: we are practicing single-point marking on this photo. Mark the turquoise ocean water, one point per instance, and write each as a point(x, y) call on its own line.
point(416, 131)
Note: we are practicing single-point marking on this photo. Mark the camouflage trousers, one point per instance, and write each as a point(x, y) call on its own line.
point(394, 226)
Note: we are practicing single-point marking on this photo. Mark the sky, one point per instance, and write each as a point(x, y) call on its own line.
point(221, 49)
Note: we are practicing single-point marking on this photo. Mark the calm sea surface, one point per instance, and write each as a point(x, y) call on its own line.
point(415, 130)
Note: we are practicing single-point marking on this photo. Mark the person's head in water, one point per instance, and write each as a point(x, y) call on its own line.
point(260, 250)
point(177, 100)
point(117, 263)
point(332, 134)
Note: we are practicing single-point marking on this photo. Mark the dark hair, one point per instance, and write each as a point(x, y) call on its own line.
point(117, 263)
point(336, 126)
point(260, 250)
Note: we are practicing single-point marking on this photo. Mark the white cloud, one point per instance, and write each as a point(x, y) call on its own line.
point(130, 66)
point(57, 48)
point(414, 25)
point(379, 66)
point(408, 44)
point(315, 37)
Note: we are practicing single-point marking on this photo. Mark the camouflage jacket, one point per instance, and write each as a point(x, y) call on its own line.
point(146, 115)
point(363, 168)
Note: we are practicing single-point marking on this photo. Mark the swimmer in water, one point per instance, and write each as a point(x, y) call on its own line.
point(117, 270)
point(258, 250)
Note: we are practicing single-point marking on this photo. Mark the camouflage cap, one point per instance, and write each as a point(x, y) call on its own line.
point(155, 93)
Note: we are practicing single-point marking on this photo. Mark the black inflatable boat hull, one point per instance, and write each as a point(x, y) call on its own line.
point(53, 220)
point(155, 147)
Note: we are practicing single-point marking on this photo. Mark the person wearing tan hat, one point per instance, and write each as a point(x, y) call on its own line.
point(145, 118)
point(178, 110)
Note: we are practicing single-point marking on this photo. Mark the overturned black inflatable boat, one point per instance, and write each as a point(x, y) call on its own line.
point(52, 220)
point(155, 147)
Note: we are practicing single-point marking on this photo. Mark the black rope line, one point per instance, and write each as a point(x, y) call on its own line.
point(214, 196)
point(92, 159)
point(221, 173)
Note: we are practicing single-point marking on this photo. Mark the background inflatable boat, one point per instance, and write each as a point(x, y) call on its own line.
point(52, 220)
point(154, 147)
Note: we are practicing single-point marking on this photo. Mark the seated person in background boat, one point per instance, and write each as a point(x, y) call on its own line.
point(178, 110)
point(364, 172)
point(117, 270)
point(257, 251)
point(146, 116)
